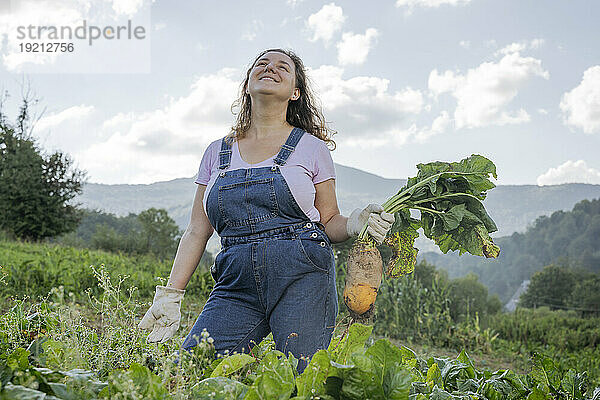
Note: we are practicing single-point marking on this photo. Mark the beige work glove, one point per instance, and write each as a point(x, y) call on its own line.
point(379, 222)
point(164, 315)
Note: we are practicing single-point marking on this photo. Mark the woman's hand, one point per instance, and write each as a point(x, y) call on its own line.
point(379, 222)
point(340, 228)
point(164, 315)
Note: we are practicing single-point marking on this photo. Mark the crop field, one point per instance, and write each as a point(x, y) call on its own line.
point(68, 330)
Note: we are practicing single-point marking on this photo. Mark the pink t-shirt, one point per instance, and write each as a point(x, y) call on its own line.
point(310, 163)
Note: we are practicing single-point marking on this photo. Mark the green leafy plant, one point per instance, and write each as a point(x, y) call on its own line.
point(351, 368)
point(449, 197)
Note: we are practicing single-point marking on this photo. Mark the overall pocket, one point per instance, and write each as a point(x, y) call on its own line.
point(316, 248)
point(248, 202)
point(215, 268)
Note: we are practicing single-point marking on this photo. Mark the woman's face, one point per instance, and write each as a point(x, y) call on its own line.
point(273, 74)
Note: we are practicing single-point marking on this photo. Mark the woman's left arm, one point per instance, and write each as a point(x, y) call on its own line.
point(326, 203)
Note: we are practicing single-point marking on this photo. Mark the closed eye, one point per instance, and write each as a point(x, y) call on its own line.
point(283, 66)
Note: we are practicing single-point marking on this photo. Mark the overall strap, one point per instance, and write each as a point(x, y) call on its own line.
point(224, 155)
point(289, 146)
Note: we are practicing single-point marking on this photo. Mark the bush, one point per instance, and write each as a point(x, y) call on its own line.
point(565, 329)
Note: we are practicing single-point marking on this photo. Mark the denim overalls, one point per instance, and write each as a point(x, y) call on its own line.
point(276, 269)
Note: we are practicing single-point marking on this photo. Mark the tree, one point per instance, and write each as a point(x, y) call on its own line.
point(468, 296)
point(552, 287)
point(586, 295)
point(36, 188)
point(160, 234)
point(429, 276)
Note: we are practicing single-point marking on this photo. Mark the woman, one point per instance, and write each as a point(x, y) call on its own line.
point(268, 189)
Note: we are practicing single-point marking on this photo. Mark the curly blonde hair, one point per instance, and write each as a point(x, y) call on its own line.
point(302, 112)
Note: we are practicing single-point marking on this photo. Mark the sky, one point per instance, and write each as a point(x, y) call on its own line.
point(401, 82)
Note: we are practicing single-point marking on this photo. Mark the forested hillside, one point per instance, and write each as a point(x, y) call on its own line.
point(566, 238)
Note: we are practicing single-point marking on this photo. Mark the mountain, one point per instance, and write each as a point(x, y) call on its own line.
point(353, 188)
point(513, 207)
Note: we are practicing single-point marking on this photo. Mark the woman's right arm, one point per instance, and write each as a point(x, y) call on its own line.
point(192, 243)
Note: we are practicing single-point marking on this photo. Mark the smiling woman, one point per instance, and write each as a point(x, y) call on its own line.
point(287, 70)
point(268, 189)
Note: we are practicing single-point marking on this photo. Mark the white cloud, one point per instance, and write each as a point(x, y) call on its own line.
point(536, 43)
point(255, 26)
point(400, 135)
point(412, 4)
point(520, 46)
point(160, 26)
point(581, 106)
point(127, 7)
point(543, 111)
point(166, 143)
point(570, 172)
point(397, 136)
point(441, 83)
point(118, 121)
point(465, 44)
point(353, 49)
point(484, 92)
point(364, 106)
point(430, 3)
point(200, 47)
point(439, 125)
point(325, 23)
point(71, 113)
point(491, 43)
point(69, 130)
